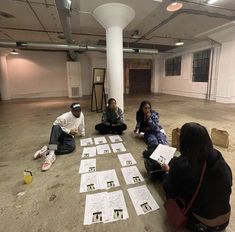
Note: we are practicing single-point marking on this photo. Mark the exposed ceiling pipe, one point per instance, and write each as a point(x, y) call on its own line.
point(64, 8)
point(68, 47)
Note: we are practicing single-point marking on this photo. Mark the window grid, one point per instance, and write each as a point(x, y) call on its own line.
point(201, 63)
point(173, 66)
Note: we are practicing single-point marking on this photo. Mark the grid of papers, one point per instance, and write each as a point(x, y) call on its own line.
point(110, 206)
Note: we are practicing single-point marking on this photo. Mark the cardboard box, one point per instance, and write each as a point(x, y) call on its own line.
point(220, 137)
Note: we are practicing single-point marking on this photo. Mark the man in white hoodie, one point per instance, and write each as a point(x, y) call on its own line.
point(64, 128)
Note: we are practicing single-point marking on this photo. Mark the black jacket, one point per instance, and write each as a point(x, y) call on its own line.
point(214, 194)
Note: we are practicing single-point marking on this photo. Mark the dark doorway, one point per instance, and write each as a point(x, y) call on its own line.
point(139, 81)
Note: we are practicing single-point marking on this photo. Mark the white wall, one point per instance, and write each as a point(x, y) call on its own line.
point(226, 74)
point(85, 73)
point(36, 74)
point(181, 85)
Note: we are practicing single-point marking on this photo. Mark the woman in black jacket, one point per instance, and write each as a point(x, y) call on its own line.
point(211, 209)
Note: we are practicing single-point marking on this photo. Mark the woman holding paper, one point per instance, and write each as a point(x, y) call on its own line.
point(210, 210)
point(148, 123)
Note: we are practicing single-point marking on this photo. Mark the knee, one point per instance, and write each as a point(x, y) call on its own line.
point(152, 141)
point(72, 148)
point(56, 128)
point(98, 127)
point(124, 126)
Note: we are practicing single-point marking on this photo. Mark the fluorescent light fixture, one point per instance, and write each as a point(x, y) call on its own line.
point(67, 4)
point(179, 43)
point(174, 6)
point(211, 1)
point(14, 52)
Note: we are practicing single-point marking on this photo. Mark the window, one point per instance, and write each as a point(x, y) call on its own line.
point(173, 66)
point(201, 63)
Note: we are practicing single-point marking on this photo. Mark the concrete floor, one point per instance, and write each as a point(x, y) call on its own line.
point(52, 202)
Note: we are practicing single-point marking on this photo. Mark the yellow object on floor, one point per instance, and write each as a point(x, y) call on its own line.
point(28, 176)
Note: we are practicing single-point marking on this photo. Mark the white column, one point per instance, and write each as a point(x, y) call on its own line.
point(115, 64)
point(4, 81)
point(114, 17)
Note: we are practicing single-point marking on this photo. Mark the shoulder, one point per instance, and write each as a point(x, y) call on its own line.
point(64, 115)
point(106, 109)
point(154, 112)
point(119, 110)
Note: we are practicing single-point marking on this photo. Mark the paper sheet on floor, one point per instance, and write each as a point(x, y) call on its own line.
point(132, 175)
point(115, 138)
point(88, 165)
point(142, 200)
point(100, 140)
point(103, 149)
point(116, 207)
point(163, 154)
point(118, 147)
point(108, 179)
point(89, 182)
point(126, 159)
point(89, 152)
point(113, 207)
point(86, 142)
point(94, 211)
point(98, 180)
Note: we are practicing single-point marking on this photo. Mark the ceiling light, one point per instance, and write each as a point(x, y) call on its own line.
point(14, 52)
point(174, 6)
point(179, 43)
point(211, 1)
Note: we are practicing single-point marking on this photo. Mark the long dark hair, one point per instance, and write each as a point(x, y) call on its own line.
point(140, 113)
point(195, 144)
point(142, 104)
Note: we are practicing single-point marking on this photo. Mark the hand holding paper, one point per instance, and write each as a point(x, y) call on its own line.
point(163, 154)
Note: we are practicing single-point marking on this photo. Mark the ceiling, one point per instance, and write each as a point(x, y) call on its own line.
point(40, 21)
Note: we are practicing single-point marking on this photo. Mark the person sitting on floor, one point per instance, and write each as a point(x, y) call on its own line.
point(211, 210)
point(147, 122)
point(64, 128)
point(112, 119)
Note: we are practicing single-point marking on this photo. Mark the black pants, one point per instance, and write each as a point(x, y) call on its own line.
point(104, 129)
point(195, 226)
point(61, 142)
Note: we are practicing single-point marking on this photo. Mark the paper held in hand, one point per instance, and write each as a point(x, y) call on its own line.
point(163, 154)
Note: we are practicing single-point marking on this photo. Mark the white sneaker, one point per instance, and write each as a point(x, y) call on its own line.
point(50, 159)
point(41, 153)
